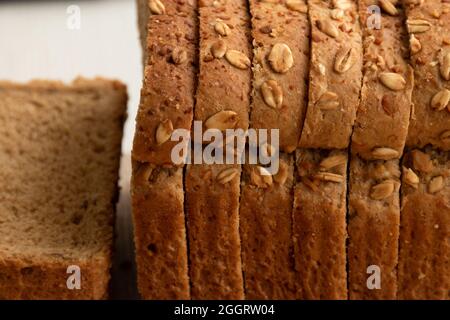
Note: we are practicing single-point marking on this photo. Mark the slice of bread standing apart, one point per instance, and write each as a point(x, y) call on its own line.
point(59, 153)
point(167, 104)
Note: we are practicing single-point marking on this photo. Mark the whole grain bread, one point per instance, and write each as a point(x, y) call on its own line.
point(319, 224)
point(167, 104)
point(60, 151)
point(167, 95)
point(424, 258)
point(335, 74)
point(373, 228)
point(266, 232)
point(159, 8)
point(429, 27)
point(223, 93)
point(212, 209)
point(383, 116)
point(160, 233)
point(279, 96)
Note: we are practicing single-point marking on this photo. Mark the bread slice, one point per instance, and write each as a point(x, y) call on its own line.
point(319, 224)
point(429, 28)
point(170, 30)
point(212, 208)
point(167, 95)
point(383, 117)
point(335, 74)
point(223, 93)
point(159, 8)
point(60, 151)
point(160, 232)
point(424, 259)
point(279, 97)
point(266, 232)
point(373, 228)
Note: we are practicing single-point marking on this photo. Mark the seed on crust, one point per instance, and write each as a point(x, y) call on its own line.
point(327, 27)
point(418, 25)
point(238, 59)
point(393, 81)
point(329, 177)
point(281, 58)
point(222, 28)
point(385, 154)
point(227, 175)
point(345, 59)
point(218, 49)
point(436, 184)
point(272, 94)
point(156, 7)
point(410, 177)
point(164, 132)
point(222, 120)
point(441, 100)
point(333, 162)
point(382, 190)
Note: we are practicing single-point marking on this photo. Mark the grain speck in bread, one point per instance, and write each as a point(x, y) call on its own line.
point(429, 28)
point(212, 202)
point(383, 117)
point(60, 152)
point(373, 227)
point(280, 98)
point(266, 232)
point(424, 265)
point(335, 74)
point(319, 224)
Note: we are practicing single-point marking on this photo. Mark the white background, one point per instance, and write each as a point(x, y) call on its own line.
point(36, 43)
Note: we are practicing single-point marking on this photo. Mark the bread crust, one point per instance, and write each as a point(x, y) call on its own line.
point(428, 125)
point(373, 228)
point(182, 8)
point(334, 97)
point(45, 278)
point(319, 227)
point(424, 265)
point(266, 233)
point(160, 233)
point(272, 24)
point(212, 209)
point(223, 86)
point(167, 95)
point(383, 117)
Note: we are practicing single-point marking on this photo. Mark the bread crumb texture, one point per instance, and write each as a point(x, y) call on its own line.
point(59, 155)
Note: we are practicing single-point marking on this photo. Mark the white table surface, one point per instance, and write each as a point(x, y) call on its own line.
point(36, 43)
